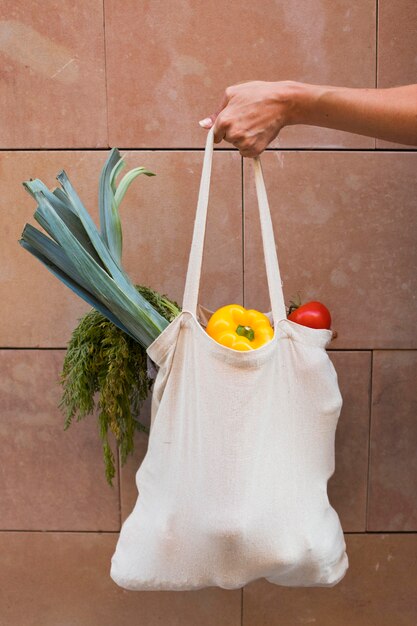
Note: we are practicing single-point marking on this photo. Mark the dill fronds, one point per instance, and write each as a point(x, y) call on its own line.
point(102, 359)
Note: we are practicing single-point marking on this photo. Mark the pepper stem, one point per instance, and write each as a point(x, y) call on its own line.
point(246, 331)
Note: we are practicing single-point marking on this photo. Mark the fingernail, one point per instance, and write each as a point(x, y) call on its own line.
point(206, 123)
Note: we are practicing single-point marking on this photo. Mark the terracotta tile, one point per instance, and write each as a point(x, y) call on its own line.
point(397, 47)
point(347, 487)
point(378, 588)
point(158, 216)
point(63, 578)
point(158, 238)
point(157, 92)
point(52, 65)
point(393, 468)
point(345, 228)
point(52, 479)
point(39, 310)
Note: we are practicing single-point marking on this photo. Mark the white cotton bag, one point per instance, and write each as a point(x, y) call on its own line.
point(233, 486)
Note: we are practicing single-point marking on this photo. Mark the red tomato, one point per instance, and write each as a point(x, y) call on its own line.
point(313, 314)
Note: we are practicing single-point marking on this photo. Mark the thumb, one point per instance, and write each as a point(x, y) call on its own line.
point(207, 122)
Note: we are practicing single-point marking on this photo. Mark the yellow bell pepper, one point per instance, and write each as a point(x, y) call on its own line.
point(239, 328)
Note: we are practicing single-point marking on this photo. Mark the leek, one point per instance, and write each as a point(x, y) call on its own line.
point(87, 260)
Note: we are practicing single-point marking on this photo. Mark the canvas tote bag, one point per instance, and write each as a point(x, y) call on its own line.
point(233, 486)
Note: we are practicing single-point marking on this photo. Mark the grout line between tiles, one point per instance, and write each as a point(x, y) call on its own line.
point(368, 478)
point(376, 52)
point(119, 483)
point(371, 150)
point(31, 530)
point(382, 532)
point(241, 606)
point(105, 71)
point(376, 43)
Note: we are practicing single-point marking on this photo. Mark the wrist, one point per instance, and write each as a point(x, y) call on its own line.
point(303, 102)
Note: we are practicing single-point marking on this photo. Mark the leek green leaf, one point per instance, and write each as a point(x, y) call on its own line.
point(105, 195)
point(115, 172)
point(103, 286)
point(75, 287)
point(126, 181)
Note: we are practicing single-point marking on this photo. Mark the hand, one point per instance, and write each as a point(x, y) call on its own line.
point(251, 115)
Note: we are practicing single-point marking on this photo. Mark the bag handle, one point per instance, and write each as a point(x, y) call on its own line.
point(192, 281)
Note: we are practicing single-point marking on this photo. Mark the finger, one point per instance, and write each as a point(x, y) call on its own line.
point(206, 123)
point(220, 129)
point(250, 151)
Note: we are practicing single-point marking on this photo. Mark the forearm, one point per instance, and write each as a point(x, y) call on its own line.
point(389, 114)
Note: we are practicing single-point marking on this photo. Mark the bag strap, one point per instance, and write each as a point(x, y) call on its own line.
point(192, 282)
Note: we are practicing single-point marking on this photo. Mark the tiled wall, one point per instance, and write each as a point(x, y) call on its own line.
point(76, 78)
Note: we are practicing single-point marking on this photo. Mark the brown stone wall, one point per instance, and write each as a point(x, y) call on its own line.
point(79, 77)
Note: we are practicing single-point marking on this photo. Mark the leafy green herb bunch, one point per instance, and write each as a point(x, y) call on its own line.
point(103, 360)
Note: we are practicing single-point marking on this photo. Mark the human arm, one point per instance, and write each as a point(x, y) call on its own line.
point(252, 114)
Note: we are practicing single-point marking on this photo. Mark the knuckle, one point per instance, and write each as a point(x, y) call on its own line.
point(225, 121)
point(234, 136)
point(249, 148)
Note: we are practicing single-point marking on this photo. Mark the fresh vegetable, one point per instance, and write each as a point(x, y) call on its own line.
point(239, 328)
point(107, 350)
point(103, 359)
point(313, 314)
point(89, 261)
